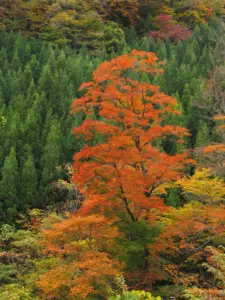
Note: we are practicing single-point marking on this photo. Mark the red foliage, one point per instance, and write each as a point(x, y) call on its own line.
point(168, 28)
point(80, 246)
point(124, 171)
point(121, 172)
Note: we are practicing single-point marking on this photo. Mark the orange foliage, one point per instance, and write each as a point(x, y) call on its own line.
point(76, 234)
point(124, 171)
point(79, 244)
point(185, 229)
point(187, 233)
point(80, 277)
point(215, 153)
point(120, 171)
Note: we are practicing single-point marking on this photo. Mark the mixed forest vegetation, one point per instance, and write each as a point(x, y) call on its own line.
point(118, 194)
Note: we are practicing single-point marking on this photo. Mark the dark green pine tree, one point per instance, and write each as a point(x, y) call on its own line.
point(161, 50)
point(31, 89)
point(15, 63)
point(25, 53)
point(44, 53)
point(3, 122)
point(28, 191)
point(132, 37)
point(180, 52)
point(8, 44)
point(1, 84)
point(45, 82)
point(16, 83)
point(32, 127)
point(11, 133)
point(35, 67)
point(51, 156)
point(50, 162)
point(56, 98)
point(152, 45)
point(144, 46)
point(204, 62)
point(187, 99)
point(9, 187)
point(61, 60)
point(3, 57)
point(47, 122)
point(27, 77)
point(18, 105)
point(52, 61)
point(1, 99)
point(202, 137)
point(171, 75)
point(183, 76)
point(190, 57)
point(7, 83)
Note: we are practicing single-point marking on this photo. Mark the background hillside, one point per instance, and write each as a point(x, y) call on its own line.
point(48, 49)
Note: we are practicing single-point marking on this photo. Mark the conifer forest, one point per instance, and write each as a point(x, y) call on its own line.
point(112, 149)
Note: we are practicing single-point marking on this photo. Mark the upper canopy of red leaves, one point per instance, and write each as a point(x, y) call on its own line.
point(125, 169)
point(168, 28)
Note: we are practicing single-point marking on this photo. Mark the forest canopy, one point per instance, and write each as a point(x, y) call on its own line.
point(112, 120)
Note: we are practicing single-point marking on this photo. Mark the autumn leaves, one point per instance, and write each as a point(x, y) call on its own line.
point(120, 171)
point(124, 226)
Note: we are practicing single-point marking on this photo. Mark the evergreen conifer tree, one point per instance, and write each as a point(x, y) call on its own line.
point(187, 99)
point(28, 193)
point(51, 157)
point(3, 57)
point(161, 50)
point(45, 83)
point(27, 77)
point(9, 186)
point(202, 137)
point(16, 63)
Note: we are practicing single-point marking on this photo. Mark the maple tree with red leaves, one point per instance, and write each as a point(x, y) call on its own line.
point(121, 171)
point(169, 29)
point(124, 170)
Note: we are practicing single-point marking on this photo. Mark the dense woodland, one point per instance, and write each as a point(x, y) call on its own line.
point(112, 119)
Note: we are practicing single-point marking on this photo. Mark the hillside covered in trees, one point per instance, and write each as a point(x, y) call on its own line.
point(112, 149)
